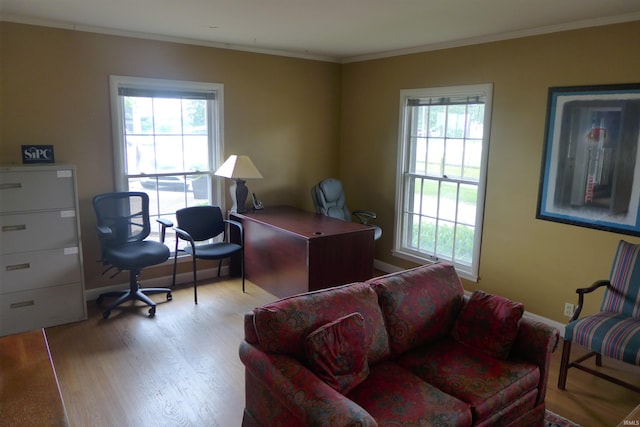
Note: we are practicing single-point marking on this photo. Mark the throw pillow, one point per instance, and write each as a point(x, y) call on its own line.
point(488, 323)
point(337, 354)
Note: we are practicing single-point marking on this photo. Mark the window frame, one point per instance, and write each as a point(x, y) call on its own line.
point(405, 147)
point(215, 131)
point(215, 120)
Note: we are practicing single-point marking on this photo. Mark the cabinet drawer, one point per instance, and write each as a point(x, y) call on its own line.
point(37, 231)
point(33, 270)
point(37, 189)
point(23, 311)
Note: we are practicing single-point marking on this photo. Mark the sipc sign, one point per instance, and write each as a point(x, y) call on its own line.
point(37, 154)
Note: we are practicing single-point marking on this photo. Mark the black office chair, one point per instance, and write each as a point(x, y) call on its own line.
point(123, 224)
point(329, 200)
point(198, 225)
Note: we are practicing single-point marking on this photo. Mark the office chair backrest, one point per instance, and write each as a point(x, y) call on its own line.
point(624, 294)
point(126, 213)
point(329, 199)
point(201, 222)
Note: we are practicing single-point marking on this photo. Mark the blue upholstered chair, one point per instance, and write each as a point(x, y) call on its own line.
point(615, 330)
point(329, 200)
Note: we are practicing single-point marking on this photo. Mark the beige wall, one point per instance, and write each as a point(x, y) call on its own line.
point(282, 112)
point(304, 120)
point(538, 262)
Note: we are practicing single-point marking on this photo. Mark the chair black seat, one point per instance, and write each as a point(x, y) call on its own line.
point(214, 250)
point(136, 254)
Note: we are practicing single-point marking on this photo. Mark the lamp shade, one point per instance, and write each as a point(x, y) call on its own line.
point(238, 167)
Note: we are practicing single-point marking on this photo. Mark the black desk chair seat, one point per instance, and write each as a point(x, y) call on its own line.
point(123, 224)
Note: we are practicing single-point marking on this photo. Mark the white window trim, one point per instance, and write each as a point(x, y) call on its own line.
point(471, 272)
point(215, 120)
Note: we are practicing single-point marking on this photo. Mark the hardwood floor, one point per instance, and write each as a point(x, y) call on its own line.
point(181, 368)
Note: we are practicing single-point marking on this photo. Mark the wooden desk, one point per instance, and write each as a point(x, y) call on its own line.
point(290, 251)
point(29, 393)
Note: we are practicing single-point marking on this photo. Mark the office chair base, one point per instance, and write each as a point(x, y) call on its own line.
point(133, 295)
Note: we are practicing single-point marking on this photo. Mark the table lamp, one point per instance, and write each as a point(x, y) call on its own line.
point(238, 168)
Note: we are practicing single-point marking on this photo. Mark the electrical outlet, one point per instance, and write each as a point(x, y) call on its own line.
point(568, 309)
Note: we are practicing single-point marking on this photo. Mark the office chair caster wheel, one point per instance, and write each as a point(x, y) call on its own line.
point(169, 296)
point(106, 314)
point(152, 311)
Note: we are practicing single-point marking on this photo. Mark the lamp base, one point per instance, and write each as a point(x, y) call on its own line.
point(239, 193)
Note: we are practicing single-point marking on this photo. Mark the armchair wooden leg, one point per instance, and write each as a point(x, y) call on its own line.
point(564, 365)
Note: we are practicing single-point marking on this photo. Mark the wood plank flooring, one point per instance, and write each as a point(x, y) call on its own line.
point(181, 368)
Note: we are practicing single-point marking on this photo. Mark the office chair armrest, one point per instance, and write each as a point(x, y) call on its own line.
point(184, 235)
point(105, 232)
point(165, 224)
point(583, 291)
point(364, 215)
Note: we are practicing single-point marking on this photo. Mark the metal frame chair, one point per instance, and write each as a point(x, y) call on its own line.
point(198, 225)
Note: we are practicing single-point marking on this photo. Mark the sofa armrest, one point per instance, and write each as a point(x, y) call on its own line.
point(301, 392)
point(536, 341)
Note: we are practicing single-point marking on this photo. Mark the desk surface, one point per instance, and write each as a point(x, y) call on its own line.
point(305, 224)
point(29, 393)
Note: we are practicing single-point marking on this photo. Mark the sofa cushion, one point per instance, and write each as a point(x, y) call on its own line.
point(488, 323)
point(419, 305)
point(337, 353)
point(282, 326)
point(485, 383)
point(396, 397)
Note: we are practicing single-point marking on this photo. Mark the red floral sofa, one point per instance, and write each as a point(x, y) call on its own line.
point(404, 349)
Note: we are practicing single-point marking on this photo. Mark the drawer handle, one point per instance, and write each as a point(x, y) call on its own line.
point(10, 185)
point(18, 266)
point(14, 227)
point(22, 304)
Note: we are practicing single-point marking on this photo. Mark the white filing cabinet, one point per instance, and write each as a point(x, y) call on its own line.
point(41, 279)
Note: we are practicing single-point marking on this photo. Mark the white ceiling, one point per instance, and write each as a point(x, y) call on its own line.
point(333, 30)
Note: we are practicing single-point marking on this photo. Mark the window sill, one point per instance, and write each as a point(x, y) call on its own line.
point(465, 274)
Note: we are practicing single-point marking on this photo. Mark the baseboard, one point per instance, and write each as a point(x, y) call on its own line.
point(559, 326)
point(158, 282)
point(385, 267)
point(165, 281)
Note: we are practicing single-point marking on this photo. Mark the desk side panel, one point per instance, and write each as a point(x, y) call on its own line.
point(340, 259)
point(275, 260)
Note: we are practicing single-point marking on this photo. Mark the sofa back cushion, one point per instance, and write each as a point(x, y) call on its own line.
point(488, 323)
point(419, 305)
point(282, 326)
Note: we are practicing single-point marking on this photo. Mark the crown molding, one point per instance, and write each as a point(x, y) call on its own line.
point(576, 25)
point(164, 38)
point(328, 58)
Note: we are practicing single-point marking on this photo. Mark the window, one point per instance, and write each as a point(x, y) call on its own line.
point(442, 162)
point(167, 141)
